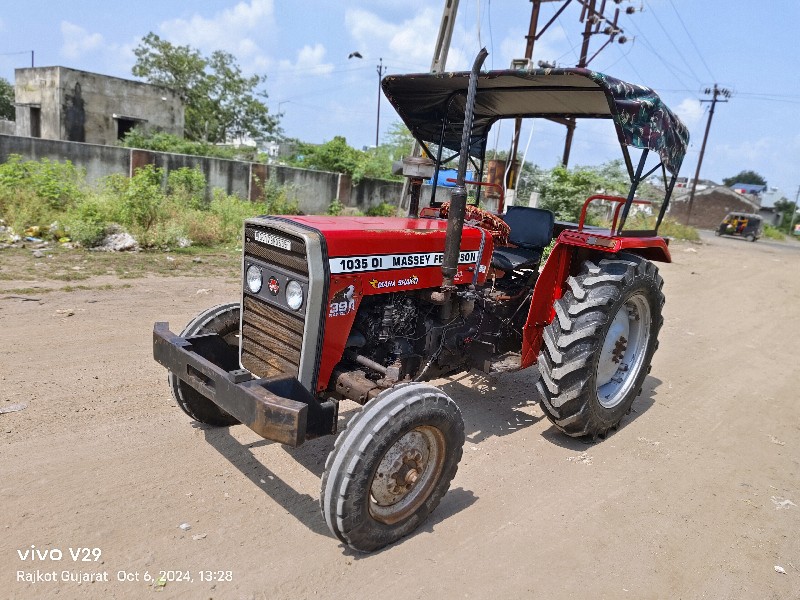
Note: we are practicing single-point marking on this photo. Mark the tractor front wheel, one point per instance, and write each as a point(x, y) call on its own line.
point(391, 466)
point(224, 321)
point(596, 353)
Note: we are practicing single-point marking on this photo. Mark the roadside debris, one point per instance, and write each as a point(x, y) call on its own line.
point(782, 503)
point(582, 458)
point(775, 440)
point(199, 536)
point(13, 408)
point(780, 569)
point(184, 527)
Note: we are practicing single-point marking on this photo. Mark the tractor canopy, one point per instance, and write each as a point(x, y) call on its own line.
point(432, 105)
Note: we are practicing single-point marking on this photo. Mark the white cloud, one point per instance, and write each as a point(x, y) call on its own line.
point(690, 110)
point(78, 41)
point(409, 42)
point(310, 61)
point(226, 30)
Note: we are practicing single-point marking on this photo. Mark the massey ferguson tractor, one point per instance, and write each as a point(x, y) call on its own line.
point(372, 309)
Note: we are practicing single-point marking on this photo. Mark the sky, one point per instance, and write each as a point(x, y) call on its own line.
point(677, 47)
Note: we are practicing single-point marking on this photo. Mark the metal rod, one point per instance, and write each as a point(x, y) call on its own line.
point(455, 219)
point(626, 209)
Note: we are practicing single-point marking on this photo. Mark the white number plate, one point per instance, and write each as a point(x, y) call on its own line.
point(272, 240)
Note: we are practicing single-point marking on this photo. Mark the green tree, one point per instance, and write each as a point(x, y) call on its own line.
point(786, 208)
point(7, 110)
point(563, 191)
point(221, 103)
point(745, 177)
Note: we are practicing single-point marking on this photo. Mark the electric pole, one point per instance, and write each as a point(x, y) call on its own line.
point(794, 212)
point(438, 62)
point(378, 121)
point(593, 19)
point(595, 22)
point(716, 93)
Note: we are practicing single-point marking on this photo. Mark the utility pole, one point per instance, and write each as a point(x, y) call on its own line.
point(592, 19)
point(716, 93)
point(438, 62)
point(378, 121)
point(530, 39)
point(794, 212)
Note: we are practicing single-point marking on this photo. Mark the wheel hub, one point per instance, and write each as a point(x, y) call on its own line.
point(622, 354)
point(407, 474)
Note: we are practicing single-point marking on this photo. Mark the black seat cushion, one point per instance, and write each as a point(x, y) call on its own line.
point(511, 259)
point(531, 232)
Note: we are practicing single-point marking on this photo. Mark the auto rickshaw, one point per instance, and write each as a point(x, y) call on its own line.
point(746, 225)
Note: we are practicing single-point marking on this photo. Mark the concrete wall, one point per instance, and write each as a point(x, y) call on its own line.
point(314, 190)
point(86, 107)
point(98, 161)
point(7, 127)
point(710, 206)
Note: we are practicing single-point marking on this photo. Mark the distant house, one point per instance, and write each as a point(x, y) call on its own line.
point(58, 103)
point(710, 206)
point(748, 188)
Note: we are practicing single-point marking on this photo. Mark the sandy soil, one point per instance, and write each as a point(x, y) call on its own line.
point(696, 496)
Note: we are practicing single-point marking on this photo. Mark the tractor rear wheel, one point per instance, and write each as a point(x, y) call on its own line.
point(391, 466)
point(224, 321)
point(596, 353)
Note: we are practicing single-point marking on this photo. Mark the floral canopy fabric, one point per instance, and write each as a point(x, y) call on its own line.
point(433, 105)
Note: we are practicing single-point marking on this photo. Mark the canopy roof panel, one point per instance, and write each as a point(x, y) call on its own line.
point(429, 102)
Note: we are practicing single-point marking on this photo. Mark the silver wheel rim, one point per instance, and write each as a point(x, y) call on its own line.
point(407, 474)
point(623, 352)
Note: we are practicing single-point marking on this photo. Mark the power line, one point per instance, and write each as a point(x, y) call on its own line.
point(674, 45)
point(691, 39)
point(716, 92)
point(648, 46)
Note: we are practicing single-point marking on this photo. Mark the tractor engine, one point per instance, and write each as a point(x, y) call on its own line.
point(401, 336)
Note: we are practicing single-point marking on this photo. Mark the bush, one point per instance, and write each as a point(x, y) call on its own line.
point(187, 186)
point(87, 222)
point(384, 209)
point(773, 233)
point(34, 193)
point(335, 208)
point(60, 185)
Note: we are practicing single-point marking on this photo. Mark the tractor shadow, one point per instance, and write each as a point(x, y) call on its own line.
point(490, 407)
point(494, 406)
point(640, 406)
point(311, 455)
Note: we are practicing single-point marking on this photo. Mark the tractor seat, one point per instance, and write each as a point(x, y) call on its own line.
point(531, 232)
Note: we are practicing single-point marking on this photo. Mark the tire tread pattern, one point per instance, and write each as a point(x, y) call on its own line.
point(572, 342)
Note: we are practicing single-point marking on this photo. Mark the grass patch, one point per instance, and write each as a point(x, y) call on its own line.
point(773, 233)
point(78, 265)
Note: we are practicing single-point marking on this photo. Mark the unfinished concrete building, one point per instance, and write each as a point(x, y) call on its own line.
point(58, 103)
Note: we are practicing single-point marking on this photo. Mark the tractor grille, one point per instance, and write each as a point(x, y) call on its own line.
point(272, 335)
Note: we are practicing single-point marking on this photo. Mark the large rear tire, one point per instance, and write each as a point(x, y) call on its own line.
point(596, 353)
point(391, 466)
point(224, 321)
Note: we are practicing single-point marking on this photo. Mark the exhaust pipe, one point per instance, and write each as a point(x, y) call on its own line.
point(458, 202)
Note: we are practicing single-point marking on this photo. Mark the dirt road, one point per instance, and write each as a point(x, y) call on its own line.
point(696, 496)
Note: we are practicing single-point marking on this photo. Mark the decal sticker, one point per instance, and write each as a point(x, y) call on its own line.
point(274, 286)
point(272, 240)
point(413, 280)
point(342, 302)
point(385, 262)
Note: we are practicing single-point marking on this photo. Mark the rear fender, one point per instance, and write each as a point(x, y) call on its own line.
point(571, 249)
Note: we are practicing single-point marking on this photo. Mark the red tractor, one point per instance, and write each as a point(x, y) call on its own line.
point(370, 309)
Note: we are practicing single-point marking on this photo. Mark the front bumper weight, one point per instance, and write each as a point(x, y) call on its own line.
point(250, 401)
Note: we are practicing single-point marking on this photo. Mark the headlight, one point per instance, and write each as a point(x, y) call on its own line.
point(254, 279)
point(294, 295)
